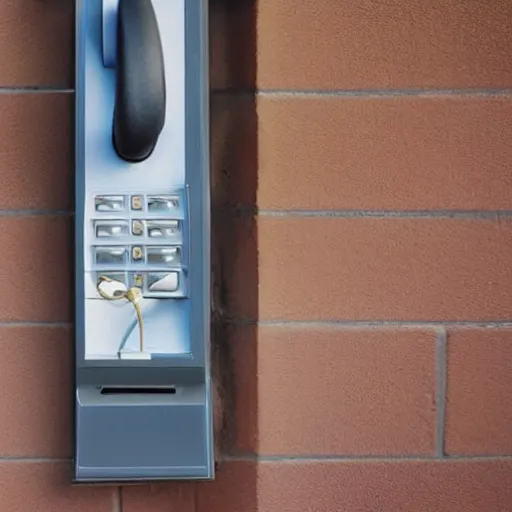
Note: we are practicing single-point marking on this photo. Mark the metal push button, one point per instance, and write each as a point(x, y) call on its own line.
point(164, 255)
point(163, 228)
point(163, 204)
point(163, 282)
point(111, 229)
point(109, 204)
point(110, 255)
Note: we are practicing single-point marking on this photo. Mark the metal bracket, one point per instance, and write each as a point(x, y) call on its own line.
point(109, 32)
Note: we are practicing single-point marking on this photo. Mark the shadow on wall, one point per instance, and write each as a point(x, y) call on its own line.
point(234, 242)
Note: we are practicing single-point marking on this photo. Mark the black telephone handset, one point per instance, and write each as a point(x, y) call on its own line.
point(140, 99)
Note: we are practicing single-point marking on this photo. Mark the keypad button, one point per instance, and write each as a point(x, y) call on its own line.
point(164, 255)
point(111, 229)
point(163, 204)
point(163, 282)
point(163, 228)
point(111, 255)
point(110, 204)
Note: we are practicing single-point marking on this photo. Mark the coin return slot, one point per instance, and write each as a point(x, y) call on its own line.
point(163, 229)
point(138, 391)
point(111, 255)
point(164, 255)
point(107, 204)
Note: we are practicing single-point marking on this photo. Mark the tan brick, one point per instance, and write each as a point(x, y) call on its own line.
point(35, 268)
point(331, 486)
point(479, 404)
point(35, 384)
point(159, 498)
point(36, 151)
point(369, 269)
point(45, 487)
point(348, 44)
point(36, 38)
point(375, 153)
point(335, 391)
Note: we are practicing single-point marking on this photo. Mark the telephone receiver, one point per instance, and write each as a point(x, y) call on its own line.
point(140, 98)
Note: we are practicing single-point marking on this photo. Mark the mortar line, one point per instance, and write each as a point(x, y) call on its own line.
point(368, 323)
point(441, 366)
point(299, 458)
point(428, 214)
point(36, 90)
point(482, 91)
point(354, 93)
point(35, 213)
point(356, 213)
point(118, 504)
point(35, 323)
point(33, 459)
point(359, 458)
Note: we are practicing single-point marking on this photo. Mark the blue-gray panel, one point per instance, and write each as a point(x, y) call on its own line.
point(141, 436)
point(137, 434)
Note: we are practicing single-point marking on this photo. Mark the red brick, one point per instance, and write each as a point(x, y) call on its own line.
point(370, 269)
point(479, 403)
point(36, 151)
point(335, 391)
point(348, 44)
point(45, 487)
point(35, 384)
point(375, 153)
point(36, 38)
point(159, 498)
point(35, 272)
point(331, 486)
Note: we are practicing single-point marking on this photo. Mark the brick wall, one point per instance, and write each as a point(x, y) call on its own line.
point(362, 317)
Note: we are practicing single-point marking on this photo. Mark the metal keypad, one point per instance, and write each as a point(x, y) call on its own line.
point(142, 237)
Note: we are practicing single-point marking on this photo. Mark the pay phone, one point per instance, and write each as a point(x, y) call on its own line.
point(143, 407)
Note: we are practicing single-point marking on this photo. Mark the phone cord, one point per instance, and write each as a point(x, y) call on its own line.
point(133, 295)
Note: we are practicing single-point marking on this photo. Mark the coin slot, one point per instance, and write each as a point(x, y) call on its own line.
point(164, 390)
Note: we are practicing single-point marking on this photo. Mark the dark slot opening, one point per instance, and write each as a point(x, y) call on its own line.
point(138, 391)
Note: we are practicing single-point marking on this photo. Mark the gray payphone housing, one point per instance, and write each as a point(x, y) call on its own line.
point(143, 404)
